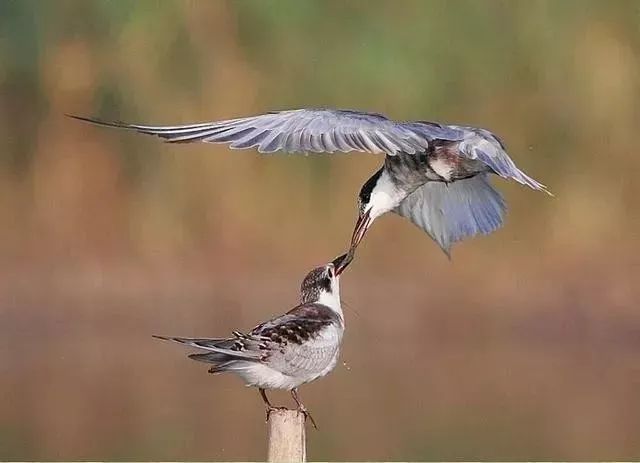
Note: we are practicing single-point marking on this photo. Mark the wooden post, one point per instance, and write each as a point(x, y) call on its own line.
point(287, 439)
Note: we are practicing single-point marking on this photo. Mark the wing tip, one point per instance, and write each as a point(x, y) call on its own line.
point(102, 122)
point(523, 179)
point(82, 118)
point(534, 184)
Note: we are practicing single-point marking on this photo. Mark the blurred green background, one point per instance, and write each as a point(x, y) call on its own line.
point(524, 346)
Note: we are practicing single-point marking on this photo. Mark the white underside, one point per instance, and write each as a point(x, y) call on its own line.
point(260, 375)
point(332, 299)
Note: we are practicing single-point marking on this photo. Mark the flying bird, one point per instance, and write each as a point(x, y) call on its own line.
point(435, 175)
point(287, 351)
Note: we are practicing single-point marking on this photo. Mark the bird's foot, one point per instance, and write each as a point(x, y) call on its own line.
point(271, 409)
point(302, 409)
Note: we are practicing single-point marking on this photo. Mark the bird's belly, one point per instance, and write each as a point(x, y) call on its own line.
point(266, 377)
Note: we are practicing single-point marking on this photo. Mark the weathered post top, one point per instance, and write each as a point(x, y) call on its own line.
point(287, 438)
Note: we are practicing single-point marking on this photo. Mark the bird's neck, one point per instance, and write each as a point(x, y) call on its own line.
point(331, 300)
point(385, 196)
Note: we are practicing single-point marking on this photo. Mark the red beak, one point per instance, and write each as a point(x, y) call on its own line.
point(362, 225)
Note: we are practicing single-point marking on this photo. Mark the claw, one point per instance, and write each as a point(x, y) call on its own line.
point(301, 408)
point(269, 410)
point(306, 414)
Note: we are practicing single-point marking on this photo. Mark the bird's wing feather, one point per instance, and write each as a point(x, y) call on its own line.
point(299, 324)
point(304, 339)
point(305, 130)
point(231, 347)
point(482, 145)
point(455, 211)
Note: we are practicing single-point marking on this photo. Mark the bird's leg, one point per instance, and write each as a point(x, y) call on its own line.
point(265, 399)
point(301, 407)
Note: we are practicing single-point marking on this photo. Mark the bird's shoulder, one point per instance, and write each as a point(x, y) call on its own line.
point(430, 130)
point(478, 134)
point(298, 325)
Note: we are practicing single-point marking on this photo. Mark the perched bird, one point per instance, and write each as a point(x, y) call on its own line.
point(287, 351)
point(435, 175)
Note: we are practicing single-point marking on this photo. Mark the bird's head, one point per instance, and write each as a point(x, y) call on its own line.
point(377, 196)
point(322, 284)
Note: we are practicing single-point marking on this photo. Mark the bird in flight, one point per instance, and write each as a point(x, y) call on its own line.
point(435, 175)
point(287, 351)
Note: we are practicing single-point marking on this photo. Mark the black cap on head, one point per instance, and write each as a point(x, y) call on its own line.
point(365, 192)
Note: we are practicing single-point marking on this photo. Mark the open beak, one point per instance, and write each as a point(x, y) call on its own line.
point(342, 262)
point(361, 228)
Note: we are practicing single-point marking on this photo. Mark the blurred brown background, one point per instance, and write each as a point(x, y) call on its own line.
point(524, 346)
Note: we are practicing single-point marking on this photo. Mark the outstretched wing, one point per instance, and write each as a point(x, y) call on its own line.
point(305, 130)
point(455, 211)
point(482, 145)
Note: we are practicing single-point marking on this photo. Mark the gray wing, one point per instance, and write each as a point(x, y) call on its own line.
point(305, 130)
point(303, 341)
point(312, 357)
point(482, 145)
point(455, 211)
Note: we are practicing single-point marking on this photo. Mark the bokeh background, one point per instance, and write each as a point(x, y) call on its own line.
point(524, 346)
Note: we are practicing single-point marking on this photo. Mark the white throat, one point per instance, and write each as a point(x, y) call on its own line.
point(332, 298)
point(385, 196)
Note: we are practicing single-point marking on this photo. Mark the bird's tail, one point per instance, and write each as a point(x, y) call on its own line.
point(219, 362)
point(455, 211)
point(223, 353)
